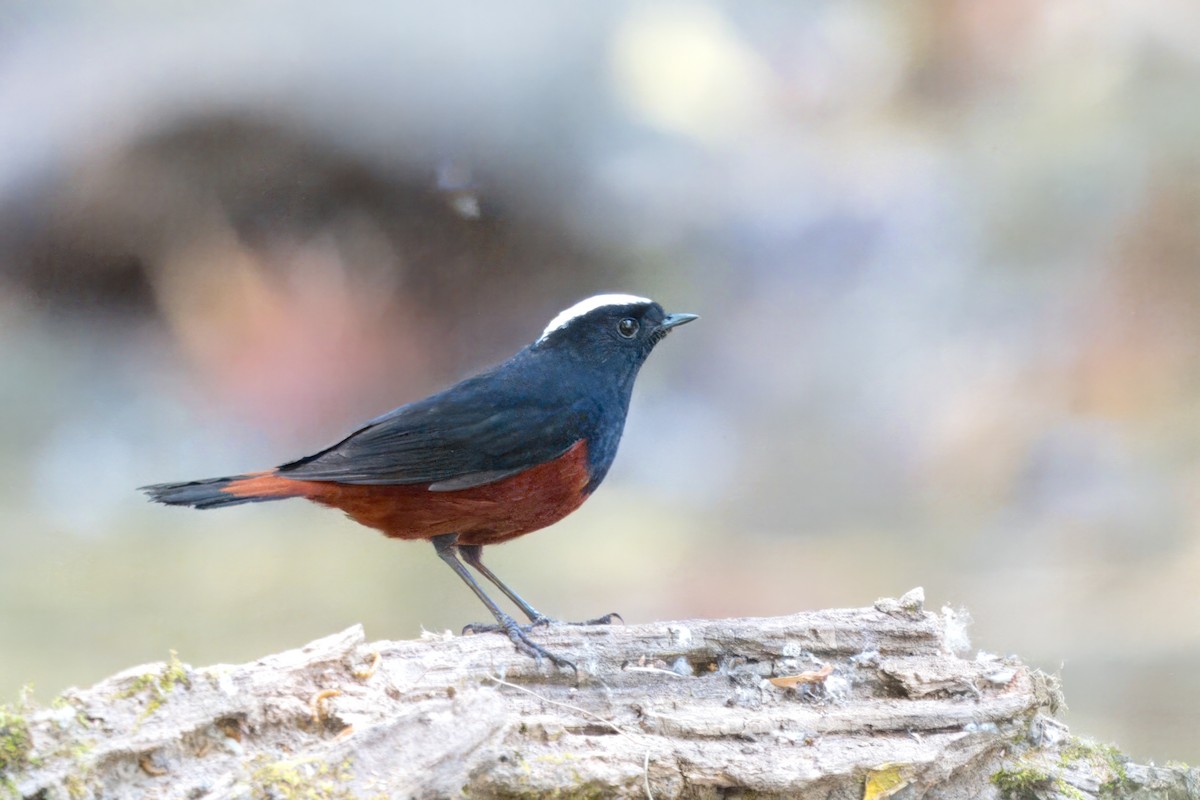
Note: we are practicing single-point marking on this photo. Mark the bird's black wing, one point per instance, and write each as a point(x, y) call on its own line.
point(478, 432)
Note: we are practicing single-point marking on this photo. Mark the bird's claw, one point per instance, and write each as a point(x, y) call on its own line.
point(537, 652)
point(607, 619)
point(519, 636)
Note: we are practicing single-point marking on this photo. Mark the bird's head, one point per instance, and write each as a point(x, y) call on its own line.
point(610, 326)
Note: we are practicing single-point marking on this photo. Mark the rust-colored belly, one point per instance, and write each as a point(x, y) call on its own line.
point(490, 514)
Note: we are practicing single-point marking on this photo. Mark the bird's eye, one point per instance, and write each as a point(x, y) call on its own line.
point(628, 327)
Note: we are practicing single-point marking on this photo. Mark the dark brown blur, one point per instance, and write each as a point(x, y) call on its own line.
point(947, 257)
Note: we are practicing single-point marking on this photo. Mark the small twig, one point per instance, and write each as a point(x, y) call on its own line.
point(365, 674)
point(812, 676)
point(657, 670)
point(149, 767)
point(318, 712)
point(559, 703)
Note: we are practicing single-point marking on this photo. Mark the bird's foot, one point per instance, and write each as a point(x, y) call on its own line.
point(491, 627)
point(607, 619)
point(541, 620)
point(519, 636)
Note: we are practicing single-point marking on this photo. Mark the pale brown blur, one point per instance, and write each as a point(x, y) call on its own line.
point(947, 257)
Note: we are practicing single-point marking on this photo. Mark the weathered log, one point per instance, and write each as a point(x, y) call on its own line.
point(871, 702)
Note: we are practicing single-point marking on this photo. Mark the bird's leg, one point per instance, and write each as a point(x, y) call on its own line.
point(445, 546)
point(472, 554)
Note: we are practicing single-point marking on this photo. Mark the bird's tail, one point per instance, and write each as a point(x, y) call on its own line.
point(220, 492)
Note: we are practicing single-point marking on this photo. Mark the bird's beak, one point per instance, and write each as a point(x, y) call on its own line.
point(671, 320)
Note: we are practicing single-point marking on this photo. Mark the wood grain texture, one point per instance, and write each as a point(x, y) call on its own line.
point(665, 710)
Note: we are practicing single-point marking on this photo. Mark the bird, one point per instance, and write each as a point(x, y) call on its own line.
point(498, 455)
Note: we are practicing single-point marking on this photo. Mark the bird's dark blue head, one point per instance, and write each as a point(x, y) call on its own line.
point(590, 354)
point(613, 330)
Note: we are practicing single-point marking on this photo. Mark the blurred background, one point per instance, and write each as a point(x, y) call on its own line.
point(947, 257)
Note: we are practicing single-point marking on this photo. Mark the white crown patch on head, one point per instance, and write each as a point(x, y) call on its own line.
point(590, 304)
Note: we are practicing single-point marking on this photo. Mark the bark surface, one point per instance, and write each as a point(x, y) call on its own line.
point(876, 702)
